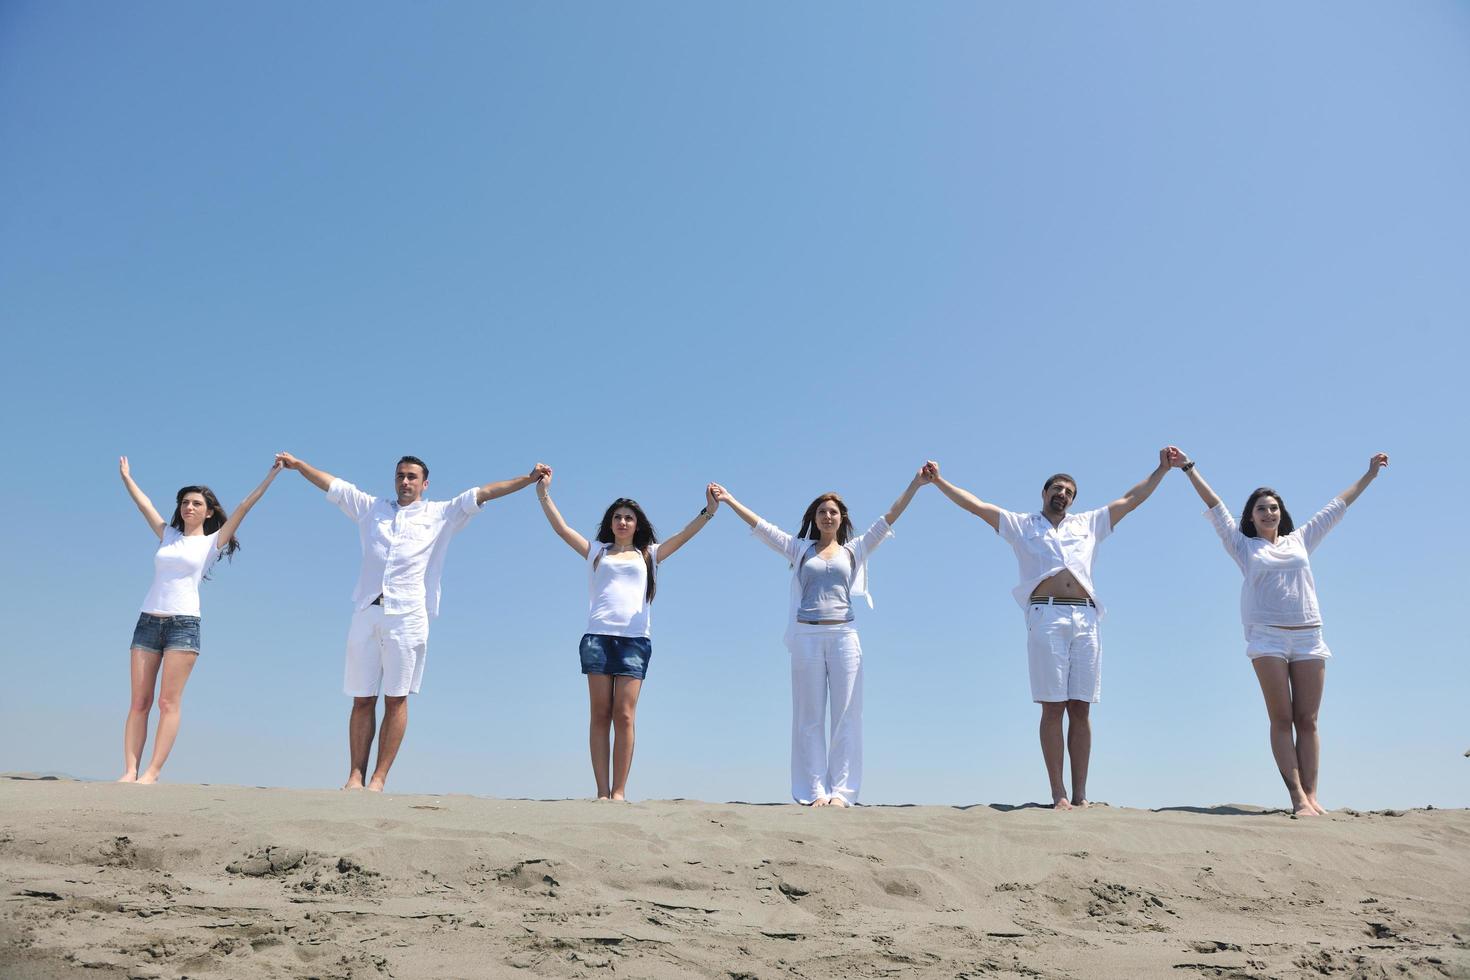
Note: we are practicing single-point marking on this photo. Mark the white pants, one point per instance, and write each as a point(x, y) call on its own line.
point(385, 653)
point(1064, 653)
point(826, 660)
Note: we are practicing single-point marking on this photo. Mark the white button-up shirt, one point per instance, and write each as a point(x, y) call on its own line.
point(1042, 550)
point(403, 548)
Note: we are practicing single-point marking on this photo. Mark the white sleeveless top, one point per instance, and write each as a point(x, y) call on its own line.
point(616, 592)
point(178, 566)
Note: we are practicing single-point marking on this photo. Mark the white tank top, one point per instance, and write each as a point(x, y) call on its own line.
point(617, 588)
point(178, 566)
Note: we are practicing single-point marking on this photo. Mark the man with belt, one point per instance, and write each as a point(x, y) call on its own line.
point(404, 542)
point(1055, 551)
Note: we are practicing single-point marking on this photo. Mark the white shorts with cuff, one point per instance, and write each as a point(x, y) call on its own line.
point(385, 653)
point(1065, 653)
point(1288, 644)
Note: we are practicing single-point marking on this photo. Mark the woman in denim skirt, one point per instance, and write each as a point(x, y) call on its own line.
point(167, 634)
point(622, 569)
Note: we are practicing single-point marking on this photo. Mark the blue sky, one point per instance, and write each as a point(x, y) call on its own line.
point(791, 248)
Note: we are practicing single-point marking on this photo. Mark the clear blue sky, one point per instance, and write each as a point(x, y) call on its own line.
point(786, 247)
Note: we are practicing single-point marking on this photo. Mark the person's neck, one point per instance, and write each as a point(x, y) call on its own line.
point(826, 541)
point(1267, 536)
point(1053, 518)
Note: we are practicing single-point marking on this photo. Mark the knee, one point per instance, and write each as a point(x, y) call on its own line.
point(141, 703)
point(1305, 721)
point(1078, 711)
point(1052, 712)
point(1281, 725)
point(602, 715)
point(623, 715)
point(168, 705)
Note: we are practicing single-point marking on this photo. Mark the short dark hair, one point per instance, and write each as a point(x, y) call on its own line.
point(1058, 476)
point(415, 461)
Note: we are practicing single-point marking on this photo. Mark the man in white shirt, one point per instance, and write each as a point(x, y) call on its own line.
point(1055, 551)
point(404, 542)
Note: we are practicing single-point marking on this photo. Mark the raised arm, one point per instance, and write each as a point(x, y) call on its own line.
point(228, 528)
point(670, 545)
point(553, 516)
point(320, 479)
point(1139, 492)
point(1378, 462)
point(1180, 460)
point(722, 496)
point(492, 490)
point(145, 506)
point(989, 513)
point(901, 504)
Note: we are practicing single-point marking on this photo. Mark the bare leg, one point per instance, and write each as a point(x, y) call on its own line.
point(1308, 677)
point(1079, 747)
point(1276, 689)
point(624, 712)
point(390, 736)
point(1052, 750)
point(360, 728)
point(135, 732)
point(177, 666)
point(599, 738)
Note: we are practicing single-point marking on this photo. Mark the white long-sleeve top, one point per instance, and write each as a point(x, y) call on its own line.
point(1043, 551)
point(794, 549)
point(403, 548)
point(1278, 588)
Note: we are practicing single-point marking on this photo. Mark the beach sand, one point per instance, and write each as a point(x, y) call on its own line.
point(103, 880)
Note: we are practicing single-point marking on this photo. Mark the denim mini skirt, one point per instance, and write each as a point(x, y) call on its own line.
point(619, 656)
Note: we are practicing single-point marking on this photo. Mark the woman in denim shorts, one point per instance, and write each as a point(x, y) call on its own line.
point(167, 634)
point(1278, 608)
point(621, 581)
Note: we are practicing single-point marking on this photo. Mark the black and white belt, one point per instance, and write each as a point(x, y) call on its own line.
point(1051, 600)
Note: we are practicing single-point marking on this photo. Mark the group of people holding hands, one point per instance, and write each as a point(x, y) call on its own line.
point(405, 538)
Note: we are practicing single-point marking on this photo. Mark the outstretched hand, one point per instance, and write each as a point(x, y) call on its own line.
point(538, 471)
point(122, 468)
point(924, 476)
point(1378, 462)
point(542, 472)
point(1175, 456)
point(931, 470)
point(288, 461)
point(711, 499)
point(717, 493)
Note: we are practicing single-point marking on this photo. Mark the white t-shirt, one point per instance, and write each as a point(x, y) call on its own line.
point(1042, 550)
point(617, 589)
point(178, 566)
point(1278, 588)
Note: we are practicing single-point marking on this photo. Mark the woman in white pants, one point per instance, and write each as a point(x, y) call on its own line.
point(1278, 608)
point(829, 567)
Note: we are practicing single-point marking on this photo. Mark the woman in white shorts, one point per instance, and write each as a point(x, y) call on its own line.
point(167, 634)
point(1278, 608)
point(829, 567)
point(622, 567)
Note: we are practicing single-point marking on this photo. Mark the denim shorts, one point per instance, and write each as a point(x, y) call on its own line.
point(620, 656)
point(159, 633)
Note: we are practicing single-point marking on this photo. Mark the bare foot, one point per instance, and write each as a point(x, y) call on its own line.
point(838, 801)
point(821, 801)
point(1321, 810)
point(1081, 804)
point(1061, 802)
point(604, 799)
point(148, 778)
point(128, 777)
point(1303, 809)
point(618, 798)
point(354, 781)
point(376, 784)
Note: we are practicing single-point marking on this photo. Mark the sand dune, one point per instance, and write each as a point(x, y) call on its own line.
point(213, 881)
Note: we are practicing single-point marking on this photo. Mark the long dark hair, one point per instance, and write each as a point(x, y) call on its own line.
point(643, 536)
point(809, 519)
point(1248, 523)
point(216, 519)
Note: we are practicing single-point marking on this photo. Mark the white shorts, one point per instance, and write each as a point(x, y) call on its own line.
point(1065, 653)
point(385, 653)
point(1289, 645)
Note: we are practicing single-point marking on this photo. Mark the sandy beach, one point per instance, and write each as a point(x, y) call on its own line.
point(174, 881)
